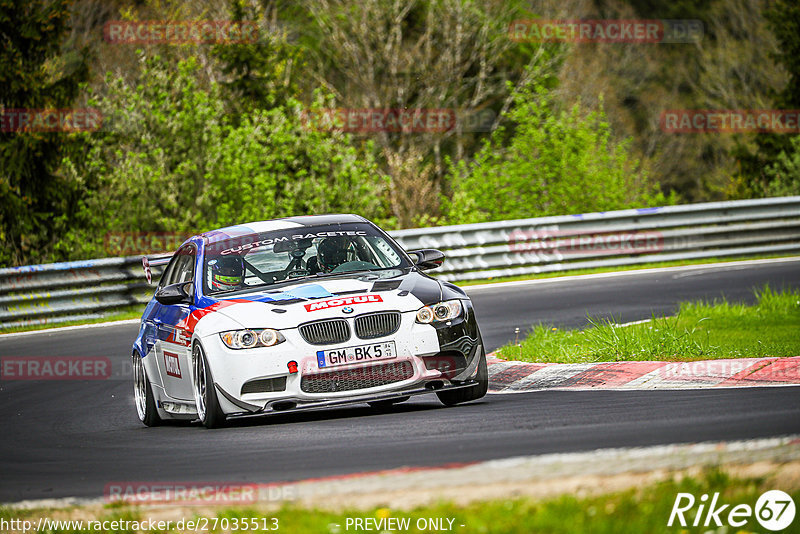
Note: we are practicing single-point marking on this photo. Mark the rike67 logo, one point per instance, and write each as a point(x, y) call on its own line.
point(774, 510)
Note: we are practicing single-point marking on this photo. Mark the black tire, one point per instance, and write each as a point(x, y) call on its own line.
point(451, 398)
point(209, 412)
point(143, 394)
point(388, 403)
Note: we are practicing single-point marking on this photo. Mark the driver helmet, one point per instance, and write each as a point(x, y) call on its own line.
point(227, 272)
point(332, 252)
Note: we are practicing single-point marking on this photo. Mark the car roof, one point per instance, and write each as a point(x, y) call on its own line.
point(285, 223)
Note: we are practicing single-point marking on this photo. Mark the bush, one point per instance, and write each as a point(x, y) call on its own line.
point(784, 174)
point(171, 159)
point(548, 163)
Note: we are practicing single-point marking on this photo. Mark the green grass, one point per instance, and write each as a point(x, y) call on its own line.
point(636, 511)
point(699, 331)
point(597, 270)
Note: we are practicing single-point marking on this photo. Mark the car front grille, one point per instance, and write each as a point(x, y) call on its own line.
point(325, 332)
point(360, 378)
point(372, 325)
point(265, 385)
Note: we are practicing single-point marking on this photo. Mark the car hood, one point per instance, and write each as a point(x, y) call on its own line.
point(349, 294)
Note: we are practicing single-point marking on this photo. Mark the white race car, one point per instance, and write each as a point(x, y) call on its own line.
point(301, 313)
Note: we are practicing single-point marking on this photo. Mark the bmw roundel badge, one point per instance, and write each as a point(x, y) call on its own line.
point(347, 309)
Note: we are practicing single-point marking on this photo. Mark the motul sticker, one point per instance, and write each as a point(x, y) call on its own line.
point(345, 301)
point(172, 364)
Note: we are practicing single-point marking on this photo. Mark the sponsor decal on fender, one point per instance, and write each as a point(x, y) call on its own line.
point(345, 301)
point(172, 364)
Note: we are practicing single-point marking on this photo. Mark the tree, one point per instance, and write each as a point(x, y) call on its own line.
point(260, 74)
point(418, 55)
point(783, 176)
point(554, 163)
point(36, 202)
point(173, 160)
point(783, 17)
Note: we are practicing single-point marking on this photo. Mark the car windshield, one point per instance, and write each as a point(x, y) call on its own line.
point(264, 259)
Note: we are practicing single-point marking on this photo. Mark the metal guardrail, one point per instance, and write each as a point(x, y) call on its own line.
point(67, 291)
point(59, 292)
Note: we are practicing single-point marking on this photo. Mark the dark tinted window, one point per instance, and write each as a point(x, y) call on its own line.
point(298, 253)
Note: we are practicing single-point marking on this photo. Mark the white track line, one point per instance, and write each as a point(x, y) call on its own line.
point(68, 328)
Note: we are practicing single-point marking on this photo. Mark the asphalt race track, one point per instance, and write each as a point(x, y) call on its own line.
point(66, 438)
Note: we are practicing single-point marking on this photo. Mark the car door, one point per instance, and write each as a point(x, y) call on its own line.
point(173, 356)
point(152, 332)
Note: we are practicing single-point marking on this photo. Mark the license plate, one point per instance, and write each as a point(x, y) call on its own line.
point(360, 354)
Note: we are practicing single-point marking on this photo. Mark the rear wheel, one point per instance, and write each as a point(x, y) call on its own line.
point(449, 398)
point(143, 394)
point(205, 396)
point(388, 403)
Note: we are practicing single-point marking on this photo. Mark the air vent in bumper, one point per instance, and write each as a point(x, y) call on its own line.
point(360, 378)
point(449, 363)
point(265, 385)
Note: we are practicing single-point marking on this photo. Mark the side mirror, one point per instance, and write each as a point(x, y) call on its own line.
point(428, 258)
point(175, 294)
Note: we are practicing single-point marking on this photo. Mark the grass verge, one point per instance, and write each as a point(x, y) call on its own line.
point(645, 509)
point(699, 331)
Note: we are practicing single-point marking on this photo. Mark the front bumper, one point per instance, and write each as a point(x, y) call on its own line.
point(441, 357)
point(289, 405)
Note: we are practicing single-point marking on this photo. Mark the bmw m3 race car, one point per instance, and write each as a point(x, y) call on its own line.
point(301, 313)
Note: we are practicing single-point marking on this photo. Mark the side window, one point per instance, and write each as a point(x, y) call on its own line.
point(181, 269)
point(168, 270)
point(184, 271)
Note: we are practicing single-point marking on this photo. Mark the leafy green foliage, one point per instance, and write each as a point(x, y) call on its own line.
point(174, 160)
point(35, 200)
point(771, 169)
point(783, 176)
point(554, 162)
point(784, 19)
point(260, 74)
point(220, 137)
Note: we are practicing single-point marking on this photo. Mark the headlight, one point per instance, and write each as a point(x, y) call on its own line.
point(442, 311)
point(248, 339)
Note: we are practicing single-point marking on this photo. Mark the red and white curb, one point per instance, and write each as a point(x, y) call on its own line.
point(517, 377)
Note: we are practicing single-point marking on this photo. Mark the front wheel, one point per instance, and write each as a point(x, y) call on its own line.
point(450, 398)
point(205, 396)
point(143, 394)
